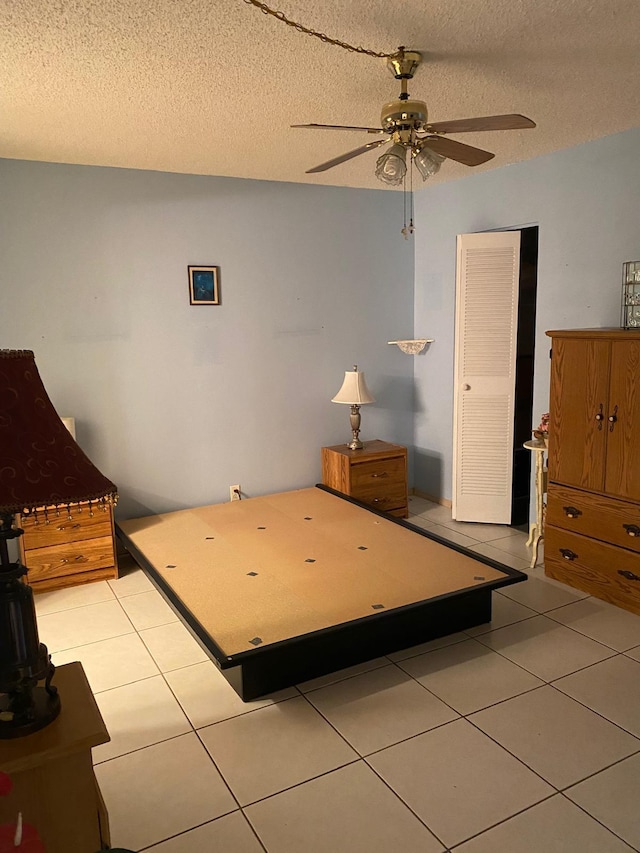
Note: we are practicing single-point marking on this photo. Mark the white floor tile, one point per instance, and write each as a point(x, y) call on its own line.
point(481, 532)
point(347, 811)
point(138, 715)
point(158, 792)
point(577, 742)
point(73, 596)
point(229, 834)
point(612, 798)
point(341, 674)
point(504, 611)
point(148, 610)
point(458, 781)
point(534, 644)
point(514, 544)
point(69, 629)
point(111, 663)
point(542, 594)
point(500, 555)
point(172, 646)
point(318, 799)
point(601, 621)
point(440, 643)
point(380, 708)
point(274, 748)
point(611, 688)
point(206, 696)
point(634, 653)
point(437, 513)
point(451, 535)
point(469, 676)
point(422, 523)
point(554, 826)
point(131, 581)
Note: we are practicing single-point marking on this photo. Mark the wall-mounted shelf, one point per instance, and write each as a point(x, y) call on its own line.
point(412, 347)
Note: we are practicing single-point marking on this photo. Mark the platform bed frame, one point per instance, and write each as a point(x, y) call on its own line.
point(263, 670)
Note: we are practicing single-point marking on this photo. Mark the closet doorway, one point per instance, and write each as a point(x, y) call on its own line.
point(496, 280)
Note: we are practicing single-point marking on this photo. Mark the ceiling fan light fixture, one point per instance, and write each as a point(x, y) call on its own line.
point(427, 162)
point(391, 167)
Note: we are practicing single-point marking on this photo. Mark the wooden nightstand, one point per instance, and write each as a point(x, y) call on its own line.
point(376, 475)
point(54, 784)
point(68, 545)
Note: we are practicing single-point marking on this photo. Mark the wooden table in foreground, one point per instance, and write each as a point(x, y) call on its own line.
point(54, 785)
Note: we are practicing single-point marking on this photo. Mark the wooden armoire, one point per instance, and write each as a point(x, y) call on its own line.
point(592, 528)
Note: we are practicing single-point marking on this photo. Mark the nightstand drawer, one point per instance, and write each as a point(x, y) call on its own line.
point(378, 473)
point(598, 516)
point(61, 560)
point(380, 483)
point(605, 571)
point(55, 527)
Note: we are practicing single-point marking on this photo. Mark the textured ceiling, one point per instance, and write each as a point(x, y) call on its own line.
point(211, 86)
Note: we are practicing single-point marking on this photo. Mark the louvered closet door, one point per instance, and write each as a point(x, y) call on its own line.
point(488, 267)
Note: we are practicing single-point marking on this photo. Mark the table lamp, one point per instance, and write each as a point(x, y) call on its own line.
point(354, 393)
point(41, 467)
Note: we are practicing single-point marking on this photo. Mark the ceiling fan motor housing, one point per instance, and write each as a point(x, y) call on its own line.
point(404, 115)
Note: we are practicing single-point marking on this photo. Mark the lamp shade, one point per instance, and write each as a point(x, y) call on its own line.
point(428, 162)
point(40, 463)
point(391, 167)
point(354, 391)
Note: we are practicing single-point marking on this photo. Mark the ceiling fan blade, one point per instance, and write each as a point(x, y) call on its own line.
point(340, 127)
point(344, 157)
point(458, 151)
point(468, 125)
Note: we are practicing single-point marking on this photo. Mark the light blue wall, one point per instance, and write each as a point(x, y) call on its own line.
point(586, 202)
point(174, 403)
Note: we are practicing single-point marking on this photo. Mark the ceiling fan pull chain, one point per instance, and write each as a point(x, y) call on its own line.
point(322, 36)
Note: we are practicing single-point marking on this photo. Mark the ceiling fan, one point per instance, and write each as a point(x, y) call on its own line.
point(404, 123)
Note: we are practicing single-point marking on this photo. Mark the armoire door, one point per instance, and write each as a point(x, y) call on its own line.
point(487, 275)
point(623, 439)
point(578, 412)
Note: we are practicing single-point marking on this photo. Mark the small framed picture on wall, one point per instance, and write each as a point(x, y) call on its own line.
point(204, 285)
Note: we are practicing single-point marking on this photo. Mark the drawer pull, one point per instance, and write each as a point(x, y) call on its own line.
point(628, 575)
point(568, 554)
point(632, 529)
point(78, 559)
point(383, 474)
point(67, 527)
point(572, 511)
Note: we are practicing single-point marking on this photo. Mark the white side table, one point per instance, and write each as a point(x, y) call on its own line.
point(536, 529)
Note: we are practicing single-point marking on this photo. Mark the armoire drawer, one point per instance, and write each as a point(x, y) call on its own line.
point(594, 515)
point(603, 570)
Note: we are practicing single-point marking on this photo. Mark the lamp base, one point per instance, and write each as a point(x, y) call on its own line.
point(354, 419)
point(44, 708)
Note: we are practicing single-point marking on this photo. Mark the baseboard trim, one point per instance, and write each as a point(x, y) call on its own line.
point(442, 501)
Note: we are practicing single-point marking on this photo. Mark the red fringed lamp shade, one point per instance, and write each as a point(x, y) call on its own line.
point(40, 463)
point(40, 466)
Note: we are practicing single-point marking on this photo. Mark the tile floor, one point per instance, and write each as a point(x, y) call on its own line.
point(520, 736)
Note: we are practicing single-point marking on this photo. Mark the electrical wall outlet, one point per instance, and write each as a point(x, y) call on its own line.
point(234, 493)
